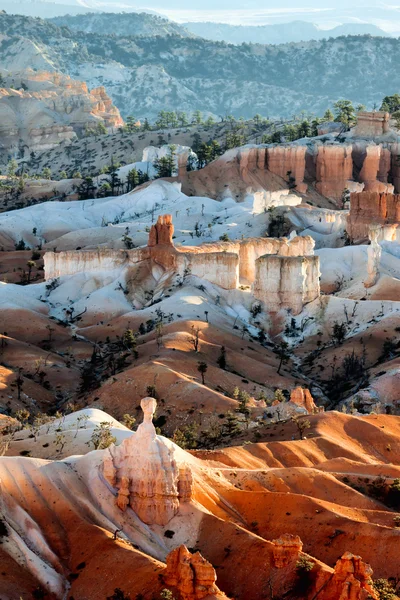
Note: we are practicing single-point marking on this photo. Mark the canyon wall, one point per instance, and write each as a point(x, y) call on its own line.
point(372, 209)
point(286, 282)
point(279, 175)
point(289, 162)
point(334, 170)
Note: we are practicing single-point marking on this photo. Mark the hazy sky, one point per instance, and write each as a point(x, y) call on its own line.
point(326, 13)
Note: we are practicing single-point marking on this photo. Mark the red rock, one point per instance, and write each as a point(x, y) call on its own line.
point(286, 550)
point(192, 575)
point(161, 233)
point(302, 397)
point(369, 209)
point(373, 168)
point(351, 580)
point(334, 170)
point(283, 160)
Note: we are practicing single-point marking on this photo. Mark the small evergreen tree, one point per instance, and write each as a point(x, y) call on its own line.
point(202, 369)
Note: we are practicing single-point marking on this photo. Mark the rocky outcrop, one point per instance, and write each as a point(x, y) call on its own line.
point(302, 397)
point(289, 162)
point(293, 268)
point(145, 474)
point(48, 109)
point(161, 233)
point(334, 171)
point(59, 264)
point(286, 282)
point(242, 172)
point(222, 263)
point(371, 209)
point(250, 249)
point(286, 550)
point(371, 124)
point(191, 575)
point(351, 580)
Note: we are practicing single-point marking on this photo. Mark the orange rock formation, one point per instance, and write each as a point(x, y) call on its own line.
point(282, 276)
point(368, 209)
point(289, 162)
point(51, 108)
point(192, 575)
point(161, 233)
point(351, 580)
point(302, 397)
point(334, 170)
point(375, 169)
point(286, 550)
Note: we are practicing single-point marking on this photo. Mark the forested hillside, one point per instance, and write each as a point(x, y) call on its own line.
point(145, 74)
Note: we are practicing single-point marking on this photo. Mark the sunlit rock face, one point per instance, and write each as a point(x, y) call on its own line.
point(286, 282)
point(145, 474)
point(351, 580)
point(50, 108)
point(286, 550)
point(371, 124)
point(191, 575)
point(303, 398)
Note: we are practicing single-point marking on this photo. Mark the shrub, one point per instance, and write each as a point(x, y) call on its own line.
point(304, 565)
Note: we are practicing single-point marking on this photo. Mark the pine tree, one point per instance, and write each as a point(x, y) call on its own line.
point(202, 369)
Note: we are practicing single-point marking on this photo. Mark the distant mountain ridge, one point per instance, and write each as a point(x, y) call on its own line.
point(144, 74)
point(122, 24)
point(279, 33)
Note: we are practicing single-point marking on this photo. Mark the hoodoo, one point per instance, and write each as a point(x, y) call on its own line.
point(145, 473)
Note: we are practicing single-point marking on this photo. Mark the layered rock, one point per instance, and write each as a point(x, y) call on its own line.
point(222, 263)
point(371, 209)
point(334, 171)
point(371, 124)
point(145, 474)
point(289, 162)
point(287, 282)
point(50, 108)
point(191, 575)
point(250, 249)
point(286, 550)
point(351, 580)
